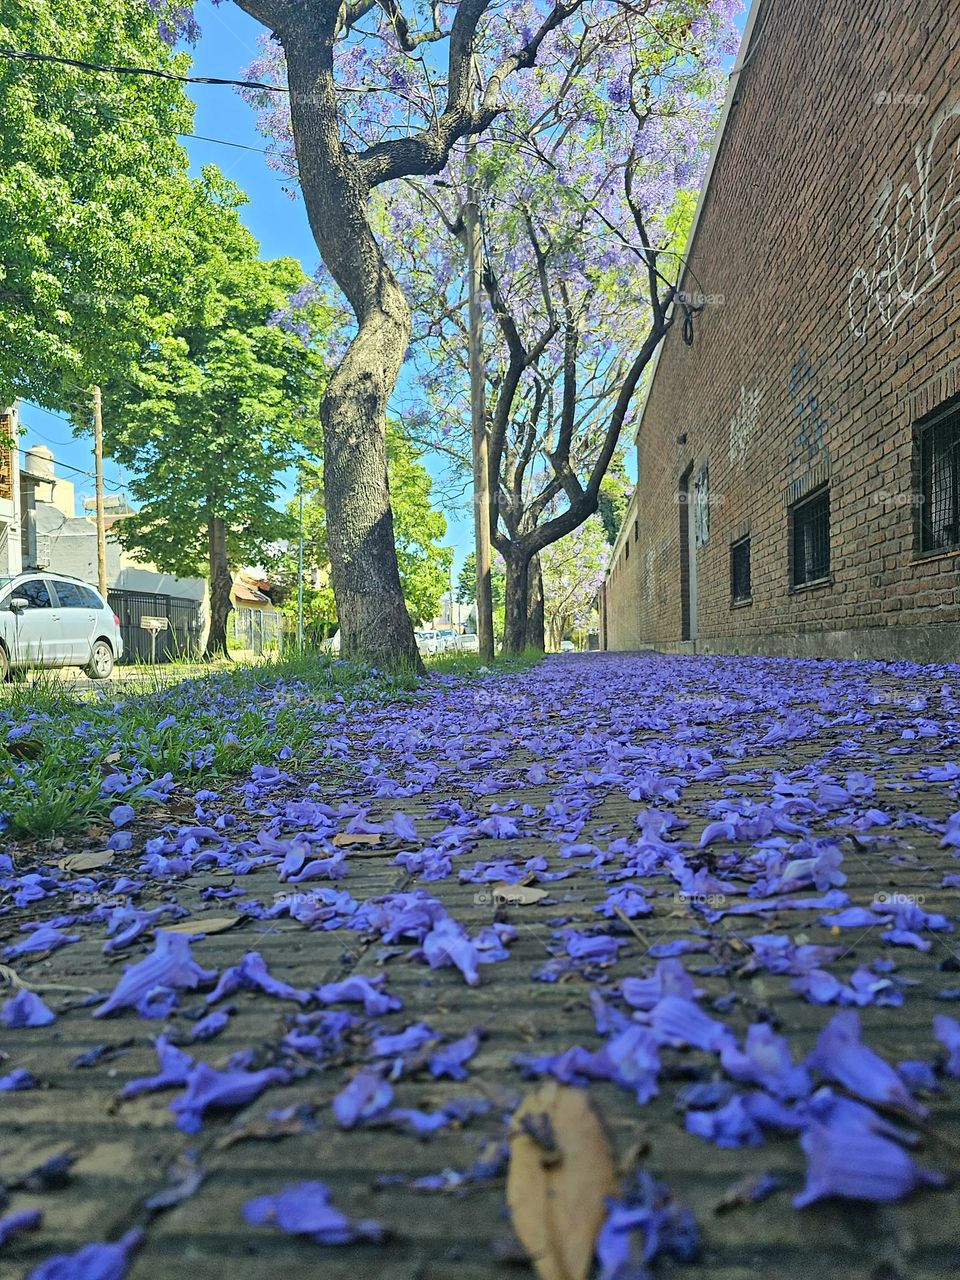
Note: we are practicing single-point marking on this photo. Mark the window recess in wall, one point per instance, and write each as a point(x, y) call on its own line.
point(810, 539)
point(937, 447)
point(740, 590)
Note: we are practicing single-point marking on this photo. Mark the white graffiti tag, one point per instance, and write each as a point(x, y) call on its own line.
point(911, 225)
point(743, 424)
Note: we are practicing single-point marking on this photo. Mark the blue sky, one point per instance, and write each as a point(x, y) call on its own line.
point(227, 46)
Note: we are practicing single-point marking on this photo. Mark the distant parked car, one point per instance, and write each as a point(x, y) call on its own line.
point(449, 637)
point(56, 621)
point(468, 642)
point(567, 646)
point(332, 645)
point(429, 643)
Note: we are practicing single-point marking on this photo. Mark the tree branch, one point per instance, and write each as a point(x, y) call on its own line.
point(270, 12)
point(428, 150)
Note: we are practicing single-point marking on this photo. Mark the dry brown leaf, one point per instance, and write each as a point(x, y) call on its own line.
point(517, 895)
point(360, 837)
point(86, 861)
point(10, 978)
point(561, 1168)
point(267, 1128)
point(203, 924)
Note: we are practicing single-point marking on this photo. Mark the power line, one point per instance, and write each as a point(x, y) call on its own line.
point(22, 55)
point(200, 137)
point(242, 146)
point(110, 484)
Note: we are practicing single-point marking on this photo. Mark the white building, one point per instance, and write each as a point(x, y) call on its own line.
point(55, 538)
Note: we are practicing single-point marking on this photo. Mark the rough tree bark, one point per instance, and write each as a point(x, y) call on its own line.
point(535, 606)
point(515, 601)
point(374, 622)
point(220, 586)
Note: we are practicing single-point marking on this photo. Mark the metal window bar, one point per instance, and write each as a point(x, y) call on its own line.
point(939, 459)
point(811, 539)
point(740, 570)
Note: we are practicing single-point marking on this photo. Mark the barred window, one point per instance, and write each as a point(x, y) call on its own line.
point(740, 570)
point(810, 539)
point(938, 471)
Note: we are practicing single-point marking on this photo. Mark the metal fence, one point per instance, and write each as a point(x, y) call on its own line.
point(257, 630)
point(180, 641)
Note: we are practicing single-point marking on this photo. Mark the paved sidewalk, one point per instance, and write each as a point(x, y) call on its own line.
point(576, 764)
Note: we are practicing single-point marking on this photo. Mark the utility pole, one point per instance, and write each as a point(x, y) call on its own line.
point(98, 468)
point(481, 457)
point(300, 568)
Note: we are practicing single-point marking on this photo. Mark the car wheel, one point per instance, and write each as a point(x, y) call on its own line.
point(4, 665)
point(100, 665)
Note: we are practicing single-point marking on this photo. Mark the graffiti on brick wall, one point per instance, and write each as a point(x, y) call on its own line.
point(910, 228)
point(649, 571)
point(743, 424)
point(701, 506)
point(808, 446)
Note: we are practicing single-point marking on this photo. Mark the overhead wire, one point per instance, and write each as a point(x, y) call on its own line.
point(102, 68)
point(90, 475)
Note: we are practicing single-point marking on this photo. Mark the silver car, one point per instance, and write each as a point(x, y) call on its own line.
point(429, 643)
point(49, 620)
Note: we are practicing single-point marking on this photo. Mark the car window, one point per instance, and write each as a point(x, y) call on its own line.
point(69, 595)
point(90, 598)
point(34, 591)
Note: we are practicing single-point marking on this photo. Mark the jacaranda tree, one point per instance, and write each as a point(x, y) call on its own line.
point(378, 95)
point(584, 211)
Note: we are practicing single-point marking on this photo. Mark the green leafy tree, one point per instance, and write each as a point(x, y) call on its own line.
point(467, 590)
point(614, 497)
point(207, 418)
point(424, 565)
point(467, 581)
point(91, 181)
point(319, 605)
point(418, 528)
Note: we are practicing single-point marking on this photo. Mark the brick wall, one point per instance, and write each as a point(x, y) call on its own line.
point(829, 247)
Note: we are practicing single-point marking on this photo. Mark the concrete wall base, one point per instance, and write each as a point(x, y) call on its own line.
point(937, 643)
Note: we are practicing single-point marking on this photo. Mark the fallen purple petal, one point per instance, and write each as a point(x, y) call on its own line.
point(92, 1262)
point(26, 1009)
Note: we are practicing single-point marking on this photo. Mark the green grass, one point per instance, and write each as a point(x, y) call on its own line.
point(71, 751)
point(471, 664)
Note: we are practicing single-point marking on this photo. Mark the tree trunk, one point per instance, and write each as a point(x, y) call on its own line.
point(535, 636)
point(220, 586)
point(374, 623)
point(558, 625)
point(516, 604)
